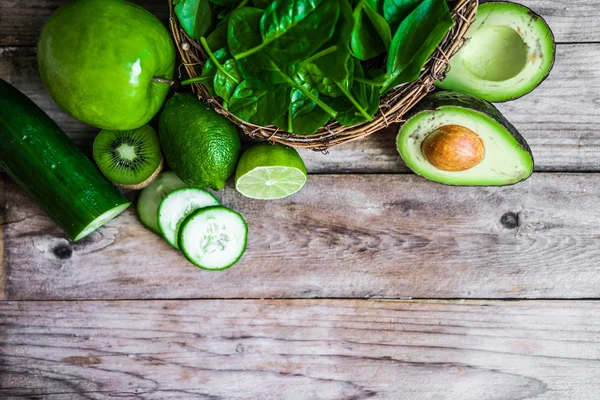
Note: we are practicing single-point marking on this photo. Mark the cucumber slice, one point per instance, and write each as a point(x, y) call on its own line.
point(213, 238)
point(151, 196)
point(177, 206)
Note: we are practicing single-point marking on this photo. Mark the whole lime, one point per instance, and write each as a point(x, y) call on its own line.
point(199, 144)
point(106, 62)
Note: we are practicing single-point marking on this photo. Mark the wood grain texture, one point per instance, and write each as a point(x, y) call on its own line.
point(291, 349)
point(560, 119)
point(22, 21)
point(388, 236)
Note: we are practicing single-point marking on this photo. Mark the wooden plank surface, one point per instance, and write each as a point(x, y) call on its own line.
point(341, 236)
point(572, 20)
point(291, 349)
point(560, 119)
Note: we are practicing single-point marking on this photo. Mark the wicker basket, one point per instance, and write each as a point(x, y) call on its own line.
point(393, 105)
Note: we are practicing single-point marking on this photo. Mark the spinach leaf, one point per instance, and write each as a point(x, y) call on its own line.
point(395, 11)
point(218, 38)
point(371, 34)
point(334, 65)
point(361, 104)
point(415, 41)
point(209, 70)
point(195, 16)
point(292, 30)
point(224, 3)
point(261, 3)
point(258, 106)
point(376, 5)
point(303, 116)
point(310, 74)
point(243, 33)
point(298, 120)
point(227, 80)
point(259, 68)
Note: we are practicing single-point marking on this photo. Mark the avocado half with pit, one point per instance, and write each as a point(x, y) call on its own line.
point(459, 139)
point(509, 53)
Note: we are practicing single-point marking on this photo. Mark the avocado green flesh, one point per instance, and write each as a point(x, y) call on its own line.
point(505, 162)
point(509, 53)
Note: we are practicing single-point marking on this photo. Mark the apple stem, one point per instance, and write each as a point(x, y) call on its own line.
point(169, 82)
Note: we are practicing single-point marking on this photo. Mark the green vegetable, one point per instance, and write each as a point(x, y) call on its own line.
point(224, 3)
point(358, 105)
point(371, 35)
point(259, 68)
point(334, 65)
point(151, 196)
point(415, 41)
point(217, 38)
point(44, 162)
point(258, 106)
point(291, 30)
point(395, 11)
point(176, 206)
point(213, 238)
point(295, 63)
point(303, 116)
point(195, 16)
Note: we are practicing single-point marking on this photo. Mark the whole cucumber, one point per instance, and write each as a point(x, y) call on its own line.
point(48, 166)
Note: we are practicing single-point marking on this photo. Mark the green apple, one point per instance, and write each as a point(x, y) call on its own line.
point(108, 63)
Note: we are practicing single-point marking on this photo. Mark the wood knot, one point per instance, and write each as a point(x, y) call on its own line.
point(63, 251)
point(510, 220)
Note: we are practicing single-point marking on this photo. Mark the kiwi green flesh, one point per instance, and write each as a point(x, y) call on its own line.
point(130, 159)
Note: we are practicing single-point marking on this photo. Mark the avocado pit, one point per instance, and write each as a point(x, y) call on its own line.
point(453, 148)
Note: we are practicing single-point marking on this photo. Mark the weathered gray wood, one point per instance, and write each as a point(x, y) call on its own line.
point(22, 21)
point(341, 236)
point(560, 119)
point(572, 20)
point(321, 349)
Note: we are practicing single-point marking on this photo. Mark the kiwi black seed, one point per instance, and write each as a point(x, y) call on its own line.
point(130, 159)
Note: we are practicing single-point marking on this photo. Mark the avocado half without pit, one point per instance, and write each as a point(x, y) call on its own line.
point(459, 139)
point(510, 51)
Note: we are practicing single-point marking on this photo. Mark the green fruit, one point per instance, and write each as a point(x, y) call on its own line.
point(130, 159)
point(200, 145)
point(268, 172)
point(105, 62)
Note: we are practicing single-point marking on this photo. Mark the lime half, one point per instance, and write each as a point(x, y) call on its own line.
point(268, 172)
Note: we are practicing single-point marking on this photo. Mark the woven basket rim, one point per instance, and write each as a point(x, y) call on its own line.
point(393, 105)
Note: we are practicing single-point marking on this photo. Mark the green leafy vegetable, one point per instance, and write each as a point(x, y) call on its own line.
point(218, 38)
point(258, 106)
point(261, 3)
point(371, 35)
point(395, 11)
point(415, 41)
point(334, 65)
point(303, 116)
point(296, 64)
point(195, 16)
point(360, 104)
point(291, 30)
point(259, 67)
point(224, 3)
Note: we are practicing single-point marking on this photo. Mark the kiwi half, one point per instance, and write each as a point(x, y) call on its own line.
point(130, 159)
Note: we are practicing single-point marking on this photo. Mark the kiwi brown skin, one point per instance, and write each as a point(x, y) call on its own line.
point(147, 182)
